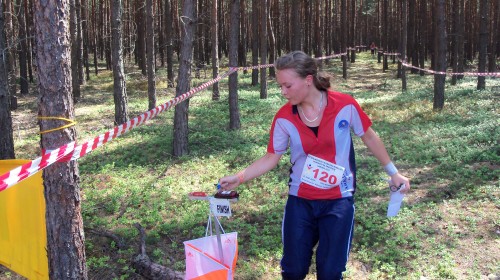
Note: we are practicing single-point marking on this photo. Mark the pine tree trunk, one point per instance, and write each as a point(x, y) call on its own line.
point(456, 41)
point(263, 49)
point(440, 53)
point(402, 49)
point(234, 112)
point(215, 45)
point(255, 41)
point(75, 82)
point(85, 43)
point(150, 45)
point(119, 86)
point(6, 138)
point(22, 49)
point(65, 237)
point(483, 42)
point(170, 48)
point(296, 31)
point(11, 46)
point(180, 146)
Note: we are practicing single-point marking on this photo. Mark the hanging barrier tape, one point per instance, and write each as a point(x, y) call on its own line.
point(70, 152)
point(471, 74)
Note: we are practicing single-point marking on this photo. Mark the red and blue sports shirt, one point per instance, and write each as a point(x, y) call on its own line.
point(333, 143)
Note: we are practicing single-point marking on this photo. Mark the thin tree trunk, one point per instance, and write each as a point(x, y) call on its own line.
point(119, 86)
point(215, 45)
point(170, 48)
point(456, 40)
point(483, 42)
point(402, 48)
point(11, 47)
point(23, 49)
point(495, 24)
point(272, 43)
point(65, 236)
point(255, 41)
point(75, 80)
point(234, 112)
point(85, 30)
point(150, 45)
point(6, 137)
point(440, 54)
point(296, 31)
point(95, 37)
point(460, 41)
point(140, 50)
point(180, 145)
point(263, 49)
point(79, 42)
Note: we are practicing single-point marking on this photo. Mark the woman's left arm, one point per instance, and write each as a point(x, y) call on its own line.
point(376, 146)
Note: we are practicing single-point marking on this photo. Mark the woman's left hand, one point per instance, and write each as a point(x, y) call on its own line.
point(398, 180)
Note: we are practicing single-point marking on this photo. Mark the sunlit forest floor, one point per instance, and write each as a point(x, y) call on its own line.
point(448, 228)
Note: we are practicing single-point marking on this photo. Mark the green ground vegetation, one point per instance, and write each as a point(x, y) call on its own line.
point(449, 227)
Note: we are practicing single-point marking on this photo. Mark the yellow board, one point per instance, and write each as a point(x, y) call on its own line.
point(23, 238)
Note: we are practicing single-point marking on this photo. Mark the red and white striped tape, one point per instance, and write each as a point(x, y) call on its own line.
point(22, 172)
point(473, 74)
point(70, 152)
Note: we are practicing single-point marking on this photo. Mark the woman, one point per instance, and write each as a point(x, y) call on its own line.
point(373, 47)
point(315, 124)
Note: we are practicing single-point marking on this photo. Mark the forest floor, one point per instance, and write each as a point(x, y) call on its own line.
point(449, 227)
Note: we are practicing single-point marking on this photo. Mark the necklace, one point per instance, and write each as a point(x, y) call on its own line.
point(319, 111)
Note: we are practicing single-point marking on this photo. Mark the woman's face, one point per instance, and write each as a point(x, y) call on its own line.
point(293, 87)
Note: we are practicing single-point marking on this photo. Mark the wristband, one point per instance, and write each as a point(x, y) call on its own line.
point(390, 169)
point(241, 176)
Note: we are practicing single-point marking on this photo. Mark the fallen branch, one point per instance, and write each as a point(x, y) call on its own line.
point(148, 269)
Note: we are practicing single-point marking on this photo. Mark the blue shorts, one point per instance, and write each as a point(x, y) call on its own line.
point(328, 223)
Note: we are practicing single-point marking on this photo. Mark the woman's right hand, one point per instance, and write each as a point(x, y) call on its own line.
point(229, 183)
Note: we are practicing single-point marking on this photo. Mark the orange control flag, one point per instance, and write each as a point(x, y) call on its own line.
point(23, 238)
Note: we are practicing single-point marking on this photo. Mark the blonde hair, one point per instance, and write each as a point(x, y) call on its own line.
point(303, 65)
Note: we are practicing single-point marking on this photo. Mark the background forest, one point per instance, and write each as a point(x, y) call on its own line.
point(121, 58)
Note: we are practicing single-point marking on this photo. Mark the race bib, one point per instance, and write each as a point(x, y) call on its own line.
point(321, 173)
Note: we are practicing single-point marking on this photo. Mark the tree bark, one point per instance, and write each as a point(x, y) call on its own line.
point(170, 48)
point(140, 51)
point(495, 24)
point(150, 45)
point(119, 86)
point(11, 47)
point(402, 48)
point(483, 42)
point(22, 49)
point(255, 41)
point(263, 49)
point(180, 145)
point(65, 236)
point(75, 80)
point(6, 138)
point(296, 31)
point(440, 54)
point(215, 45)
point(234, 112)
point(85, 43)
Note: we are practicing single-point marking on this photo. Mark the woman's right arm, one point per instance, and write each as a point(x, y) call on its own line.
point(257, 168)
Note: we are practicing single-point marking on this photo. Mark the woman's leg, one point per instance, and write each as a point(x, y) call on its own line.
point(335, 236)
point(299, 238)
